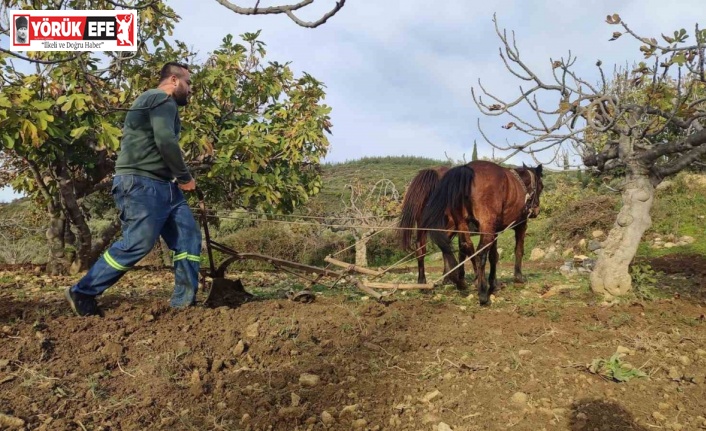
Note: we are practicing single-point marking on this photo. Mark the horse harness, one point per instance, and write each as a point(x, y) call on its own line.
point(530, 195)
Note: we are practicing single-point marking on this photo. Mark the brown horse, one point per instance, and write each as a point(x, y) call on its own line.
point(494, 198)
point(415, 199)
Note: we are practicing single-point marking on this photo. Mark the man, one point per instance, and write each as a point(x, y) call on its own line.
point(21, 25)
point(150, 175)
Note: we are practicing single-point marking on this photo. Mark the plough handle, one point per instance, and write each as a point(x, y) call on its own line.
point(204, 223)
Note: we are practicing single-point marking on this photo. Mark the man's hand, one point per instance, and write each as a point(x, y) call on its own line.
point(191, 185)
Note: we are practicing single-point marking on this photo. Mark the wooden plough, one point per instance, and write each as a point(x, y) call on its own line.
point(228, 292)
point(367, 286)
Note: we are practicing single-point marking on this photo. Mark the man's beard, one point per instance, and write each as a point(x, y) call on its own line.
point(181, 98)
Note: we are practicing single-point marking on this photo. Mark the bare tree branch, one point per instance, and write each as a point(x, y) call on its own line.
point(652, 42)
point(52, 204)
point(135, 6)
point(34, 60)
point(647, 108)
point(599, 160)
point(680, 163)
point(285, 9)
point(677, 146)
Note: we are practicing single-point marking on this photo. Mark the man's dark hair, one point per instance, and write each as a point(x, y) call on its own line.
point(172, 68)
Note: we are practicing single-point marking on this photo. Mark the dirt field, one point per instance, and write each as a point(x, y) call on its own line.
point(420, 362)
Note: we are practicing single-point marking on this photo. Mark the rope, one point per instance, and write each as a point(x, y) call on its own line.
point(313, 217)
point(398, 263)
point(380, 230)
point(403, 260)
point(349, 226)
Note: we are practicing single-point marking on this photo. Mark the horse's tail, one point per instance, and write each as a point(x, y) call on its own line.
point(422, 185)
point(453, 194)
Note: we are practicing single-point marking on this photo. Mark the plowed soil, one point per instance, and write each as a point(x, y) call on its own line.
point(418, 362)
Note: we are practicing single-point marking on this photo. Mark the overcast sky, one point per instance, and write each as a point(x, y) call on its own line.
point(399, 73)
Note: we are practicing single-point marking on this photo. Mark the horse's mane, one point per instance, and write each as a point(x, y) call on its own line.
point(537, 169)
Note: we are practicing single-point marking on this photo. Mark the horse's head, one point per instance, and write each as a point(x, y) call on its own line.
point(532, 177)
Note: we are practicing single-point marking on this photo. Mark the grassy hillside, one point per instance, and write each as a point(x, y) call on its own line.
point(368, 170)
point(399, 170)
point(573, 206)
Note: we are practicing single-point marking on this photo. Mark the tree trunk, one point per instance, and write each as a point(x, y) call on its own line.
point(611, 276)
point(57, 264)
point(361, 250)
point(77, 218)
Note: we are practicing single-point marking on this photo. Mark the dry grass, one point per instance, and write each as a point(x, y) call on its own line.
point(586, 215)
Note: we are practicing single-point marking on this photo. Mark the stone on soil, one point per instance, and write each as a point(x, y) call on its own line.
point(348, 411)
point(327, 418)
point(239, 348)
point(253, 330)
point(520, 399)
point(431, 396)
point(360, 424)
point(11, 422)
point(309, 380)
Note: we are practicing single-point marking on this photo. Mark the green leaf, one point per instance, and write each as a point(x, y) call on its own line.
point(5, 102)
point(69, 104)
point(78, 132)
point(43, 118)
point(9, 141)
point(29, 133)
point(679, 59)
point(42, 105)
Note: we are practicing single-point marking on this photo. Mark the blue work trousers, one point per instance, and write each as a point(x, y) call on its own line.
point(149, 208)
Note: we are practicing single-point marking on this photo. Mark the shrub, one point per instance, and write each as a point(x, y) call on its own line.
point(581, 217)
point(385, 249)
point(330, 243)
point(308, 244)
point(231, 222)
point(560, 191)
point(25, 250)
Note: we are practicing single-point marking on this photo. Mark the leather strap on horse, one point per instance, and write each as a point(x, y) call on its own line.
point(533, 186)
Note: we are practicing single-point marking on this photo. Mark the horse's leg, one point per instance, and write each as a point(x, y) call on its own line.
point(520, 231)
point(449, 263)
point(421, 252)
point(485, 239)
point(448, 279)
point(461, 257)
point(465, 246)
point(471, 251)
point(453, 276)
point(494, 256)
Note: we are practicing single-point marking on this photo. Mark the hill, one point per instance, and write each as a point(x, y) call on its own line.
point(368, 170)
point(574, 206)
